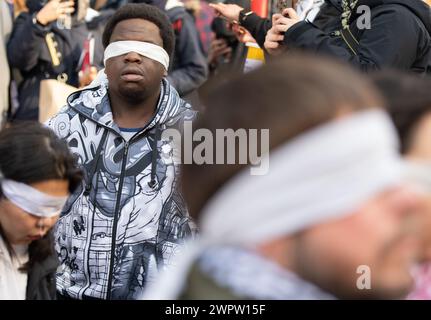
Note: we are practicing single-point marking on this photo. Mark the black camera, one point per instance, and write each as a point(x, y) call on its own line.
point(221, 31)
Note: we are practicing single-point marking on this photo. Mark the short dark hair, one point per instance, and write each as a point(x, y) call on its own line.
point(408, 99)
point(30, 153)
point(145, 12)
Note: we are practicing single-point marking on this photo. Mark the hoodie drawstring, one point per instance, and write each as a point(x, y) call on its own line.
point(96, 161)
point(154, 155)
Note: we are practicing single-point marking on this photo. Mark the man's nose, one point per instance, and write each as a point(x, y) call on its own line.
point(133, 57)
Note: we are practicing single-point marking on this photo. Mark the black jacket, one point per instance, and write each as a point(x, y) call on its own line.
point(41, 279)
point(399, 36)
point(27, 51)
point(189, 66)
point(258, 27)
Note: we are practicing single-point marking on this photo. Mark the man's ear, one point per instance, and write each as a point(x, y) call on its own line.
point(165, 73)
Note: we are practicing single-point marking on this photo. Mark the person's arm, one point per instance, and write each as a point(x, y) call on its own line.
point(391, 41)
point(30, 30)
point(191, 69)
point(257, 26)
point(24, 42)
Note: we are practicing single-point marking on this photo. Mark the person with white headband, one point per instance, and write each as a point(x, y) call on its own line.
point(37, 173)
point(331, 219)
point(128, 218)
point(409, 104)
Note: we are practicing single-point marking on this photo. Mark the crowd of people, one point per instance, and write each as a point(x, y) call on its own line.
point(101, 201)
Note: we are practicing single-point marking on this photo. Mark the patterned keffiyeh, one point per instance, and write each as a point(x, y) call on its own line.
point(348, 6)
point(248, 275)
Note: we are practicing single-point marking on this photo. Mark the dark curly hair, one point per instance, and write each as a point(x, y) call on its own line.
point(145, 12)
point(30, 153)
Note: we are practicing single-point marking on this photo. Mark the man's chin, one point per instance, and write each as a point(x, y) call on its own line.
point(133, 92)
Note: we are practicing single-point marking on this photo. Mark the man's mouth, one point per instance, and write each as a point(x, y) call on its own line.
point(132, 75)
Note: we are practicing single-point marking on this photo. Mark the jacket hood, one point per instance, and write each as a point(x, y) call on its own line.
point(418, 7)
point(93, 103)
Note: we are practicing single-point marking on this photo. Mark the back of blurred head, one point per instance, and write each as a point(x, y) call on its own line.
point(293, 98)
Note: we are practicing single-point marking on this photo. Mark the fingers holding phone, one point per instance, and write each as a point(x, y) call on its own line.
point(53, 10)
point(290, 13)
point(287, 19)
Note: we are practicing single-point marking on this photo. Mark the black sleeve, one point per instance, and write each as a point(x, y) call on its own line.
point(391, 41)
point(191, 69)
point(24, 43)
point(258, 27)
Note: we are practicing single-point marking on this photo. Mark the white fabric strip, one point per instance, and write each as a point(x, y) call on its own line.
point(145, 49)
point(32, 200)
point(323, 174)
point(308, 9)
point(419, 173)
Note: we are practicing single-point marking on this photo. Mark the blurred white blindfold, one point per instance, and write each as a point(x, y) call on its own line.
point(32, 200)
point(323, 174)
point(146, 49)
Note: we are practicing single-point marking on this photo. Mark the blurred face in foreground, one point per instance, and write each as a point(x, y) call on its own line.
point(381, 235)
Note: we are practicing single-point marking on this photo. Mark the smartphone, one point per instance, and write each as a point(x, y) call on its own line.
point(283, 4)
point(76, 7)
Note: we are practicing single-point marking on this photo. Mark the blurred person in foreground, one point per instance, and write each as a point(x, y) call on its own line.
point(37, 173)
point(409, 104)
point(333, 201)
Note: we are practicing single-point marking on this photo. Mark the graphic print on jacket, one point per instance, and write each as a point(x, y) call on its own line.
point(128, 206)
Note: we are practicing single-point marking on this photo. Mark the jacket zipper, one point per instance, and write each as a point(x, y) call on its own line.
point(116, 216)
point(120, 187)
